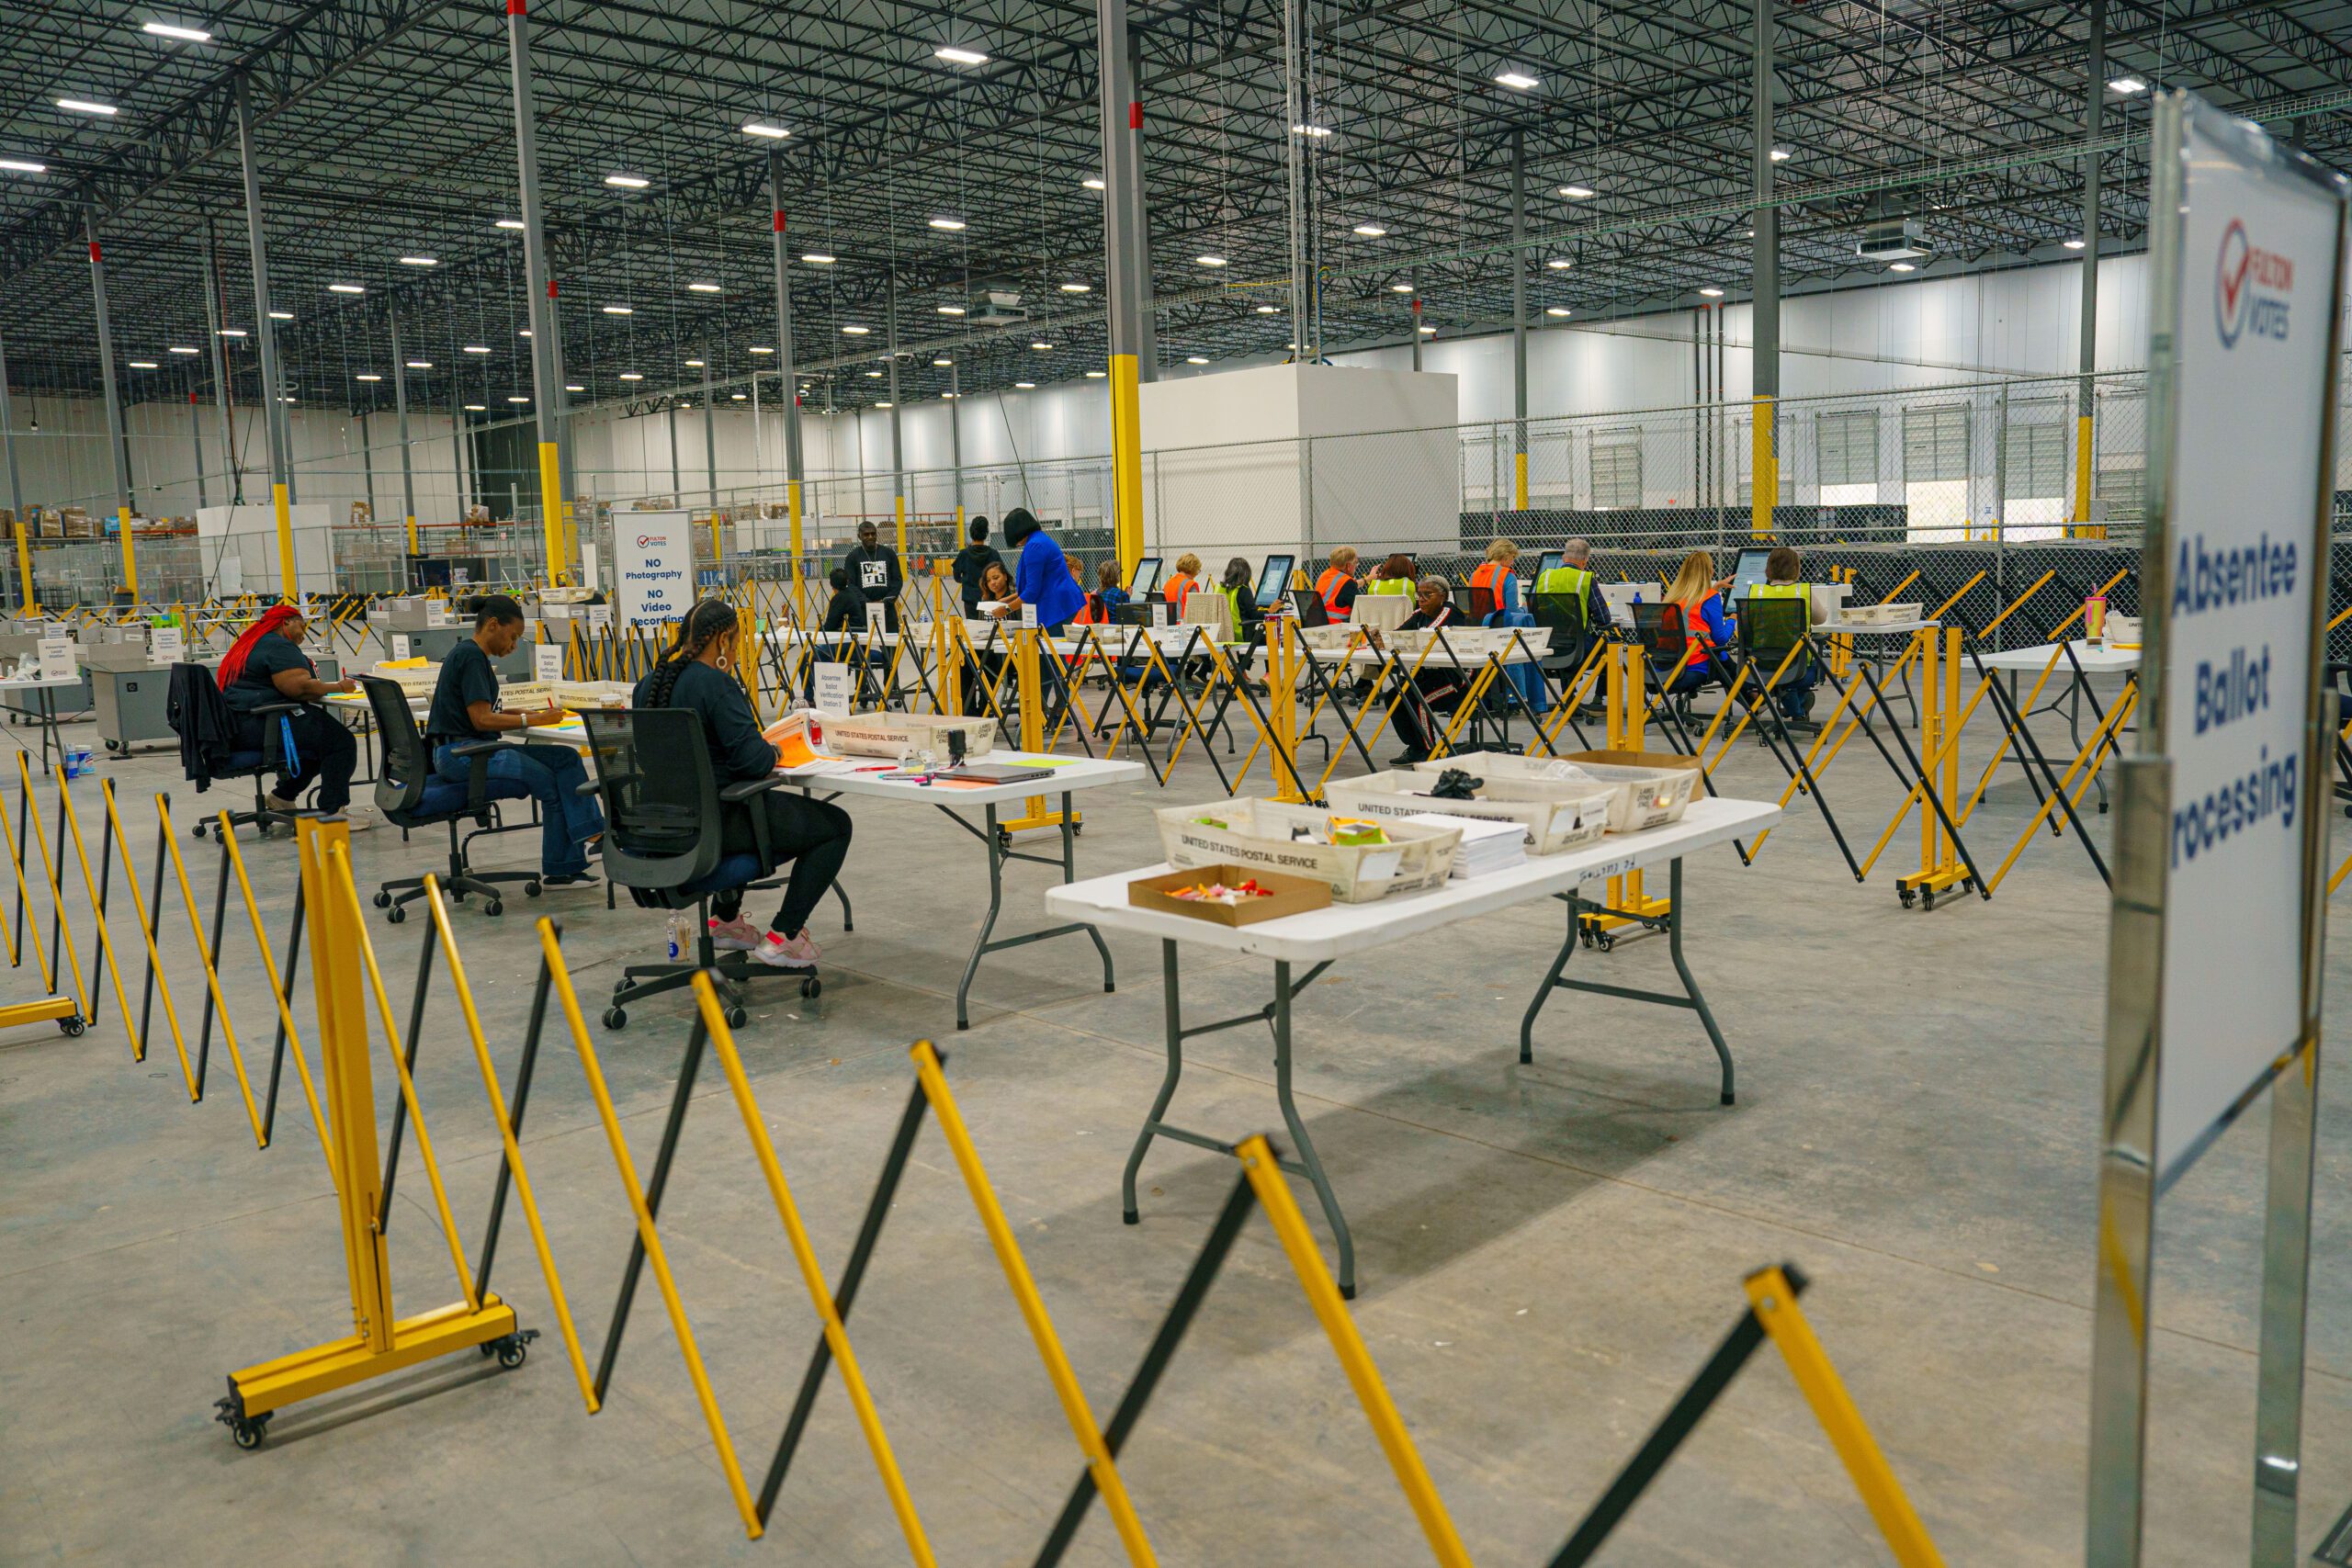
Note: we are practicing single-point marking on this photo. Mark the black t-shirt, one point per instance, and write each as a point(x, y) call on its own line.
point(253, 688)
point(466, 678)
point(729, 727)
point(876, 572)
point(971, 564)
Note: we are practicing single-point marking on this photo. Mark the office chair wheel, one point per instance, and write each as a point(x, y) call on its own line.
point(201, 826)
point(71, 1026)
point(531, 889)
point(812, 989)
point(614, 1018)
point(737, 1017)
point(494, 907)
point(396, 914)
point(383, 900)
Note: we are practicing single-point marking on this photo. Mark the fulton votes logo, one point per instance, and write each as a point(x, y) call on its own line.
point(2250, 289)
point(645, 539)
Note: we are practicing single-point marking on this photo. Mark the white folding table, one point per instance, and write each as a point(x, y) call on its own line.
point(1069, 776)
point(1321, 937)
point(2082, 660)
point(44, 714)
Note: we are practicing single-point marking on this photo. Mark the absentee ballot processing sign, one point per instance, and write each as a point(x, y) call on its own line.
point(2243, 578)
point(653, 558)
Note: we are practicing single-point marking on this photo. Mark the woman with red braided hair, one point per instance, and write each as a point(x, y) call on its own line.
point(266, 665)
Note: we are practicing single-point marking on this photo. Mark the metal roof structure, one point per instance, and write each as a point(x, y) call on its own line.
point(386, 131)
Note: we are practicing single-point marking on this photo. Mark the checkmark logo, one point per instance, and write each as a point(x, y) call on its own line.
point(2236, 255)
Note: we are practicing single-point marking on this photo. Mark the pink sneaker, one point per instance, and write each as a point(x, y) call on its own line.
point(738, 935)
point(788, 952)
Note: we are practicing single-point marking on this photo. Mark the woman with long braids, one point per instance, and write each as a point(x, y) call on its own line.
point(696, 674)
point(266, 665)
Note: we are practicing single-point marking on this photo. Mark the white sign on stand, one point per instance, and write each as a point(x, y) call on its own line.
point(546, 661)
point(399, 645)
point(876, 618)
point(1029, 615)
point(832, 682)
point(166, 645)
point(1159, 613)
point(655, 556)
point(600, 617)
point(57, 659)
point(2241, 570)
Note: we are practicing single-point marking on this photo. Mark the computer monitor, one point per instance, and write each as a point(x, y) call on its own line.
point(1545, 562)
point(1750, 569)
point(1273, 579)
point(1308, 606)
point(1147, 576)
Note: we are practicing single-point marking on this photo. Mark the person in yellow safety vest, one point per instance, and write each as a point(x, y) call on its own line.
point(1337, 586)
point(1795, 691)
point(1393, 575)
point(1571, 587)
point(1241, 596)
point(1501, 582)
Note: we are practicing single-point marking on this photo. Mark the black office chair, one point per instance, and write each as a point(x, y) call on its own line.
point(1768, 629)
point(661, 799)
point(410, 795)
point(194, 706)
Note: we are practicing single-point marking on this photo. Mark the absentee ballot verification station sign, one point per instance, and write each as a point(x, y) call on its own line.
point(2235, 612)
point(653, 557)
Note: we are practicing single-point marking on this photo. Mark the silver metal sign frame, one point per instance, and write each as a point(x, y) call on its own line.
point(2128, 1180)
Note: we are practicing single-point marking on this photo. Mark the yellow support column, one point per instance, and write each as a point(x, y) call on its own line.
point(1127, 463)
point(901, 503)
point(25, 565)
point(1518, 480)
point(287, 585)
point(551, 513)
point(129, 555)
point(1763, 469)
point(2083, 476)
point(792, 506)
point(412, 533)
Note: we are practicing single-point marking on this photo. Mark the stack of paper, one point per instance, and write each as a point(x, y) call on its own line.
point(1486, 847)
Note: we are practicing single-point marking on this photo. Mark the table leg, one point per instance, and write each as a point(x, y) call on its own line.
point(999, 843)
point(1291, 1119)
point(980, 943)
point(1691, 996)
point(1175, 1011)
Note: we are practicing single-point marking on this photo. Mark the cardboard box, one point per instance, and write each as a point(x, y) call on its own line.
point(1291, 895)
point(1256, 836)
point(1555, 815)
point(1882, 614)
point(1648, 789)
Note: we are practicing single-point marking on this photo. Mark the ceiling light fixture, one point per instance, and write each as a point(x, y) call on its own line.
point(1041, 345)
point(759, 351)
point(949, 310)
point(956, 56)
point(367, 378)
point(524, 332)
point(704, 288)
point(763, 128)
point(1078, 289)
point(176, 349)
point(882, 403)
point(1096, 375)
point(346, 288)
point(282, 315)
point(1400, 289)
point(1712, 292)
point(420, 261)
point(941, 363)
point(22, 166)
point(620, 309)
point(1559, 264)
point(142, 364)
point(509, 223)
point(470, 408)
point(2074, 245)
point(694, 364)
point(1782, 155)
point(856, 332)
point(1371, 231)
point(1270, 310)
point(1578, 193)
point(1196, 359)
point(952, 225)
point(1428, 332)
point(1316, 131)
point(873, 375)
point(1556, 310)
point(1025, 385)
point(420, 364)
point(84, 106)
point(737, 395)
point(233, 331)
point(628, 182)
point(518, 399)
point(631, 376)
point(1094, 182)
point(1211, 260)
point(1517, 81)
point(185, 35)
point(1902, 267)
point(573, 389)
point(476, 349)
point(819, 258)
point(2126, 85)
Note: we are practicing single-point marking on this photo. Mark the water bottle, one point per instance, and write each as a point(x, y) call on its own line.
point(677, 935)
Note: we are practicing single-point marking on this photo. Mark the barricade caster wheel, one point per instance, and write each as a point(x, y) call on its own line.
point(1604, 941)
point(71, 1026)
point(1927, 899)
point(614, 1018)
point(247, 1432)
point(812, 989)
point(396, 914)
point(383, 900)
point(530, 889)
point(494, 907)
point(1907, 895)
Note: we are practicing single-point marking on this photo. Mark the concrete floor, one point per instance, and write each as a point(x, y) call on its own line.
point(1549, 1252)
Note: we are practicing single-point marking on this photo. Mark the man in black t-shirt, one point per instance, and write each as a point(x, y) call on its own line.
point(971, 564)
point(465, 709)
point(873, 568)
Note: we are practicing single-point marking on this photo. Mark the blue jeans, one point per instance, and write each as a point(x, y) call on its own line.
point(553, 774)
